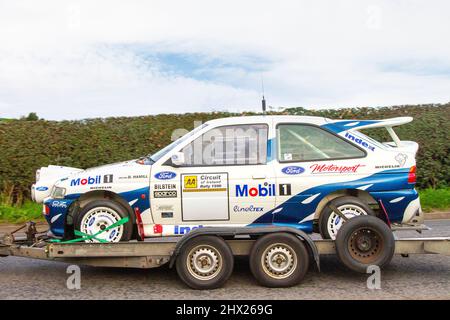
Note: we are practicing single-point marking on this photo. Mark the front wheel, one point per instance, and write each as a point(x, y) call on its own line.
point(97, 216)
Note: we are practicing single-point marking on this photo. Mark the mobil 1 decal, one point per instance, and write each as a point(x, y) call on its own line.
point(284, 189)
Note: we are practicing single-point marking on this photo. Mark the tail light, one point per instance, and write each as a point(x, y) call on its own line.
point(412, 175)
point(46, 210)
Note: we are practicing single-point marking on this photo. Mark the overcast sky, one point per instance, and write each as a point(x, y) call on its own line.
point(83, 59)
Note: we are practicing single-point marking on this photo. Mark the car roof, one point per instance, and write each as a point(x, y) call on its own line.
point(265, 118)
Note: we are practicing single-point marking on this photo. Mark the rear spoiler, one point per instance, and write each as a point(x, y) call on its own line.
point(351, 125)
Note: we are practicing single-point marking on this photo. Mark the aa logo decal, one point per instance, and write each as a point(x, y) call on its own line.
point(190, 182)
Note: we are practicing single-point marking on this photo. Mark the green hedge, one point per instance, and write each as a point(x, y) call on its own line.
point(27, 145)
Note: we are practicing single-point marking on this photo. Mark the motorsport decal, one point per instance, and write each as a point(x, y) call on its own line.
point(107, 178)
point(250, 208)
point(332, 168)
point(359, 141)
point(165, 175)
point(293, 170)
point(207, 182)
point(262, 190)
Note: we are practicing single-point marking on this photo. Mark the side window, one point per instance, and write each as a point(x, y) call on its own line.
point(301, 142)
point(229, 145)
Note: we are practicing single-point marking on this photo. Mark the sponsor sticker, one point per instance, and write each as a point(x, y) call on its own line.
point(250, 208)
point(190, 182)
point(359, 141)
point(208, 182)
point(107, 178)
point(401, 159)
point(292, 170)
point(165, 175)
point(165, 194)
point(42, 188)
point(165, 186)
point(261, 190)
point(58, 204)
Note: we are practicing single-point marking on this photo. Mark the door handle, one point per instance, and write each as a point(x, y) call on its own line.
point(258, 177)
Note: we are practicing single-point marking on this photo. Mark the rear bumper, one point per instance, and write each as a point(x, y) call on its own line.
point(413, 213)
point(401, 206)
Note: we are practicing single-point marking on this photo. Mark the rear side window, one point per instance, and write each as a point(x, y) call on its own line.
point(229, 145)
point(302, 142)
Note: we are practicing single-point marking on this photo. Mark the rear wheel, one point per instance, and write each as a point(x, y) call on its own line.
point(279, 260)
point(98, 215)
point(206, 262)
point(330, 222)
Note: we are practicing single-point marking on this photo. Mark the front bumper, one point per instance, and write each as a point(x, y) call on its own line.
point(55, 212)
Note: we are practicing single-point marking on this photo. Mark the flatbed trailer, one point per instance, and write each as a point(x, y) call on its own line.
point(155, 252)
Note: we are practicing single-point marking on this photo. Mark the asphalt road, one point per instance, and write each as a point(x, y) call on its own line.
point(416, 277)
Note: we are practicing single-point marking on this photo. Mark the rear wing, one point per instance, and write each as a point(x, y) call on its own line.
point(351, 125)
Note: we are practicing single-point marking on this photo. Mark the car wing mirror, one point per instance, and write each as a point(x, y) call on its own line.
point(177, 159)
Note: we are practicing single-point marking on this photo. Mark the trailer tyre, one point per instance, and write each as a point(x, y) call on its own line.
point(100, 214)
point(365, 241)
point(206, 262)
point(279, 260)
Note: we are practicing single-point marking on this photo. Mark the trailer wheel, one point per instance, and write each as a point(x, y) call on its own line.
point(279, 260)
point(100, 214)
point(365, 241)
point(206, 262)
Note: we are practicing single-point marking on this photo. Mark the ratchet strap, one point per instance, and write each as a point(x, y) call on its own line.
point(85, 236)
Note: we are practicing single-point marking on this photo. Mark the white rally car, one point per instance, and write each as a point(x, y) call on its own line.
point(245, 171)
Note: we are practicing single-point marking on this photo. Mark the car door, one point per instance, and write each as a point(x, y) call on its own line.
point(225, 179)
point(311, 163)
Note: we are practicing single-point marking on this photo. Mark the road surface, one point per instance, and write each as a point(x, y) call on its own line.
point(416, 277)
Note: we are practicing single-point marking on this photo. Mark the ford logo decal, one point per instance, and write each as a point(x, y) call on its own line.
point(41, 188)
point(165, 175)
point(293, 170)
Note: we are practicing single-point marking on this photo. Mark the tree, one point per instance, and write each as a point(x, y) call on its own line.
point(32, 116)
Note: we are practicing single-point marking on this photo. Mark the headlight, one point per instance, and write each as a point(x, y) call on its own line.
point(58, 193)
point(38, 174)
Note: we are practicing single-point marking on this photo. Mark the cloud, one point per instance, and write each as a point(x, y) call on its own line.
point(79, 59)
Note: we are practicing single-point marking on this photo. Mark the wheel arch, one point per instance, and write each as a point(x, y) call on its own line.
point(90, 196)
point(361, 194)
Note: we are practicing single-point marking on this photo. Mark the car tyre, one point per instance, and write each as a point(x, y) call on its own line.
point(98, 215)
point(329, 222)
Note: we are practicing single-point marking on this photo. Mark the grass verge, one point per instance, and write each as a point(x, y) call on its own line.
point(435, 199)
point(19, 214)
